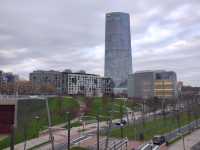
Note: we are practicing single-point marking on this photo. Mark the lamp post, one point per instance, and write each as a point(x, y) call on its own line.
point(179, 123)
point(121, 120)
point(97, 131)
point(49, 124)
point(98, 127)
point(134, 123)
point(68, 130)
point(12, 141)
point(37, 120)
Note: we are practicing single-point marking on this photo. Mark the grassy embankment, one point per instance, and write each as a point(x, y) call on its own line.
point(151, 128)
point(29, 127)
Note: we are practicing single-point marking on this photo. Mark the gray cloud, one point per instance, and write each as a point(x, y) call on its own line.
point(64, 34)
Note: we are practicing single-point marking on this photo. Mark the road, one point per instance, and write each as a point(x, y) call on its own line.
point(89, 135)
point(190, 140)
point(60, 136)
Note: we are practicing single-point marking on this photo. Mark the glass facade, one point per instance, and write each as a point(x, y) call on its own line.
point(118, 58)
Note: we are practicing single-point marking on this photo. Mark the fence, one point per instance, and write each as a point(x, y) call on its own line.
point(113, 144)
point(175, 134)
point(171, 136)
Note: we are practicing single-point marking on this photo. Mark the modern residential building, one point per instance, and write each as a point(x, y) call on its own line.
point(189, 91)
point(141, 84)
point(8, 78)
point(1, 77)
point(118, 57)
point(8, 82)
point(147, 84)
point(47, 78)
point(72, 83)
point(179, 87)
point(106, 86)
point(82, 83)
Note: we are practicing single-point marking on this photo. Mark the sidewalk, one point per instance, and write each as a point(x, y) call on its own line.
point(190, 140)
point(31, 143)
point(3, 137)
point(60, 136)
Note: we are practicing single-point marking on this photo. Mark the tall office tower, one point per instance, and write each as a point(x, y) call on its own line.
point(118, 58)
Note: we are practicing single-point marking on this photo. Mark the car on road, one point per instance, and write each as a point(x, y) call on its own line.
point(158, 140)
point(121, 123)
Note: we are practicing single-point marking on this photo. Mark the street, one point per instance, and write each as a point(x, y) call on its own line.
point(189, 141)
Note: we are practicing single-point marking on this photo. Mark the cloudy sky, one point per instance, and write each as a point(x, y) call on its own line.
point(61, 34)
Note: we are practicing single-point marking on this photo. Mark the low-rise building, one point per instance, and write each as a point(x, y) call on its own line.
point(189, 91)
point(106, 86)
point(41, 78)
point(72, 83)
point(8, 82)
point(147, 84)
point(1, 77)
point(81, 83)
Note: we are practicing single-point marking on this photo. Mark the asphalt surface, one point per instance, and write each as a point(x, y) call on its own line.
point(189, 140)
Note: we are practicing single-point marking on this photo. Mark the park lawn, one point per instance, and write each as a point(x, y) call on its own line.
point(78, 148)
point(151, 128)
point(104, 107)
point(59, 106)
point(29, 125)
point(3, 137)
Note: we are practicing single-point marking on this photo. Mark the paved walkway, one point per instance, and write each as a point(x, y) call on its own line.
point(190, 140)
point(3, 137)
point(31, 143)
point(134, 144)
point(60, 136)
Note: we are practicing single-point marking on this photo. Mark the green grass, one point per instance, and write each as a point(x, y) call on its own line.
point(38, 146)
point(104, 107)
point(177, 139)
point(59, 109)
point(27, 110)
point(151, 128)
point(78, 148)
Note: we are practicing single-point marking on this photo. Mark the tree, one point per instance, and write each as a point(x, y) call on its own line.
point(88, 105)
point(24, 87)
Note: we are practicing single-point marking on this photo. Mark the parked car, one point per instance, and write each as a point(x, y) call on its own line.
point(158, 140)
point(124, 122)
point(121, 123)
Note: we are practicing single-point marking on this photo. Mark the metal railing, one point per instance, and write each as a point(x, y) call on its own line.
point(173, 135)
point(177, 133)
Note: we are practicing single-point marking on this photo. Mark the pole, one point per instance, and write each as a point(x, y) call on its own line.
point(25, 137)
point(134, 123)
point(12, 141)
point(49, 122)
point(183, 139)
point(110, 119)
point(121, 120)
point(68, 131)
point(179, 124)
point(98, 132)
point(183, 142)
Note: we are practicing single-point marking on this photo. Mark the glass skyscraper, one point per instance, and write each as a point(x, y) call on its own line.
point(118, 57)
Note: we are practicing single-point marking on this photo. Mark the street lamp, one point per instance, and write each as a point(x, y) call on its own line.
point(97, 117)
point(97, 131)
point(49, 124)
point(37, 120)
point(68, 130)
